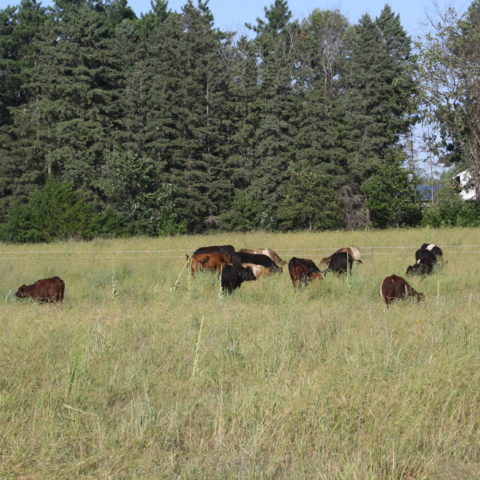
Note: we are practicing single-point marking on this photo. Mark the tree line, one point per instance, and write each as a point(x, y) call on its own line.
point(113, 124)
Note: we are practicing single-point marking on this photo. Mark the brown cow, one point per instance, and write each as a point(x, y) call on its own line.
point(46, 290)
point(265, 251)
point(395, 287)
point(354, 252)
point(209, 261)
point(303, 271)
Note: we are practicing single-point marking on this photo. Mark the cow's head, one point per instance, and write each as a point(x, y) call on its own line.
point(315, 276)
point(22, 292)
point(411, 270)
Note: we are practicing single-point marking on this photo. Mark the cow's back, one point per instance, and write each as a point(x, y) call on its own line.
point(265, 251)
point(224, 249)
point(255, 259)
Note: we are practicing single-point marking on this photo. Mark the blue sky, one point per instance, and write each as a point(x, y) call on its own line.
point(231, 15)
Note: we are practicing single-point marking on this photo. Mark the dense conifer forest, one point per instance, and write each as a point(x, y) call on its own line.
point(113, 124)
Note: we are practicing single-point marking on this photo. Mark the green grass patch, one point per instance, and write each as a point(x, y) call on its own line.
point(128, 380)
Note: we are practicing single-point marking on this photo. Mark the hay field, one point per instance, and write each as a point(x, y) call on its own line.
point(126, 380)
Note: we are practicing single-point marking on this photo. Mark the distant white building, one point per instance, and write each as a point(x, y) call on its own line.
point(465, 185)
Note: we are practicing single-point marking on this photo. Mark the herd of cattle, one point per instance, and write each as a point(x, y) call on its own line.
point(251, 264)
point(247, 265)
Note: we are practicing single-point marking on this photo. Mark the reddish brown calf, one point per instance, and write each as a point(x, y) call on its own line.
point(395, 288)
point(45, 290)
point(303, 271)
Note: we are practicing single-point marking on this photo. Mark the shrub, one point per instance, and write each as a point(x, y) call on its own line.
point(451, 211)
point(391, 198)
point(55, 212)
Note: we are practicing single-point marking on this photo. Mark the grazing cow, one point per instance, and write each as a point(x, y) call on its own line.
point(265, 251)
point(395, 287)
point(225, 249)
point(354, 252)
point(45, 290)
point(302, 271)
point(233, 276)
point(340, 262)
point(426, 258)
point(431, 247)
point(424, 253)
point(260, 264)
point(424, 266)
point(208, 261)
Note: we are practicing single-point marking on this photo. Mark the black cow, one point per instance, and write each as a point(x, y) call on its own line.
point(233, 276)
point(423, 252)
point(426, 257)
point(424, 266)
point(431, 247)
point(225, 249)
point(260, 264)
point(340, 262)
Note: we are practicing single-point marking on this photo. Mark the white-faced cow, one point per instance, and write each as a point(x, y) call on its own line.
point(339, 262)
point(354, 252)
point(426, 258)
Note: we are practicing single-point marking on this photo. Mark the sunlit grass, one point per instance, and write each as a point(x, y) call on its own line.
point(127, 380)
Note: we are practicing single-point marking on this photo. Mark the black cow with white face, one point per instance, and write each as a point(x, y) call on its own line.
point(426, 258)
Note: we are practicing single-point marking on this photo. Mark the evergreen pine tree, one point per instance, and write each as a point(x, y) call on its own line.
point(318, 142)
point(187, 132)
point(242, 121)
point(278, 105)
point(72, 111)
point(378, 105)
point(20, 28)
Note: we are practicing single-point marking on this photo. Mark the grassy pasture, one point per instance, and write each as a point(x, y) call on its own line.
point(126, 380)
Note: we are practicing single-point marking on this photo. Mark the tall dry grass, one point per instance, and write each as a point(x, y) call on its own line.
point(127, 380)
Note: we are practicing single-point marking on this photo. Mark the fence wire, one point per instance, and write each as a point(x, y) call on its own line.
point(370, 250)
